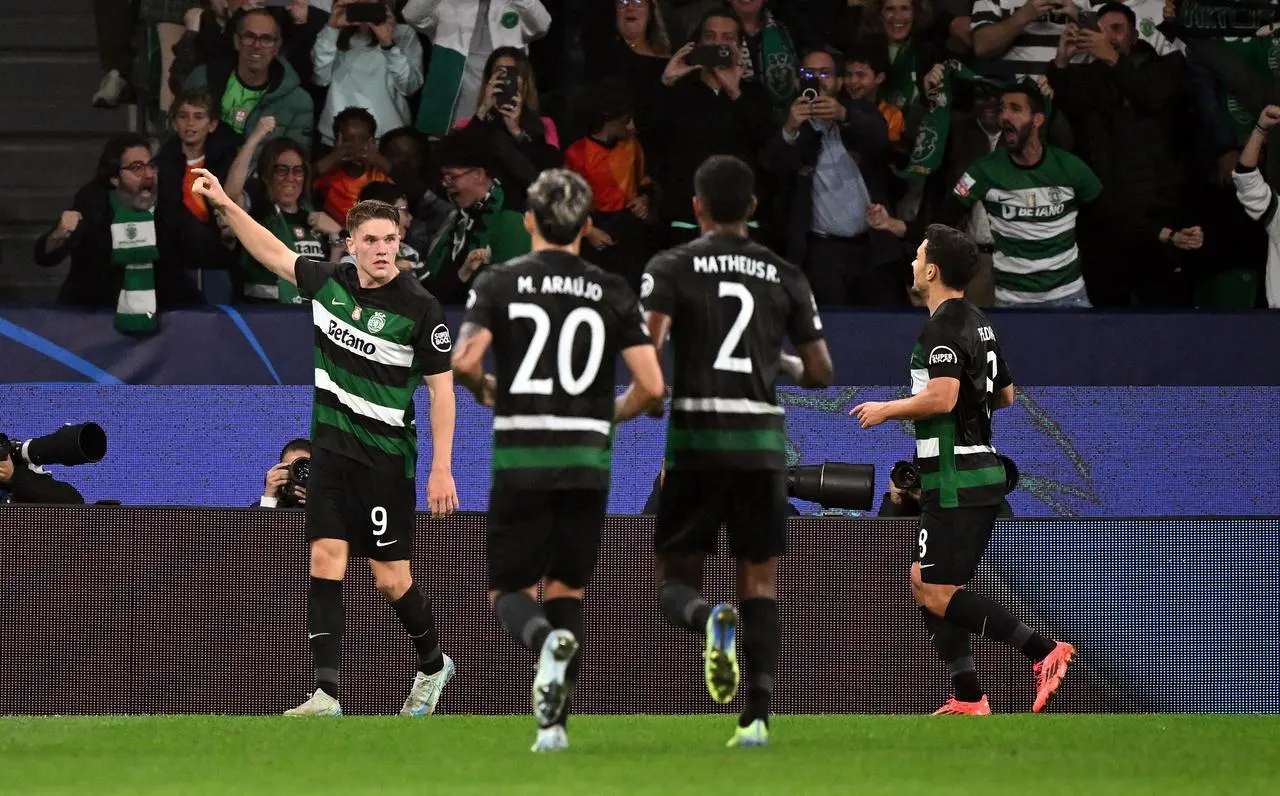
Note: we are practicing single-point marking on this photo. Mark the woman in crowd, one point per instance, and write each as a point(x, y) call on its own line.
point(375, 66)
point(522, 142)
point(902, 28)
point(280, 203)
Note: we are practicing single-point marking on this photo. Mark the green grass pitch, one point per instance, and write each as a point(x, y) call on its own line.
point(666, 755)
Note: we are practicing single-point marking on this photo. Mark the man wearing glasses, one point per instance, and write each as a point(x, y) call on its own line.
point(482, 231)
point(833, 151)
point(257, 83)
point(110, 234)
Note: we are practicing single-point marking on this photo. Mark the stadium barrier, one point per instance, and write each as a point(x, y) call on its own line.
point(113, 610)
point(1081, 451)
point(273, 346)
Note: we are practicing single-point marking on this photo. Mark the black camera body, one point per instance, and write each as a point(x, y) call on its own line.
point(73, 444)
point(299, 474)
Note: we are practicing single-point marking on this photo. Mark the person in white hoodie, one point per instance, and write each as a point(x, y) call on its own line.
point(1259, 200)
point(463, 33)
point(365, 65)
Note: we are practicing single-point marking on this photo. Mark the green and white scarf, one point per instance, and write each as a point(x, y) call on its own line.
point(133, 248)
point(463, 232)
point(260, 283)
point(899, 87)
point(778, 61)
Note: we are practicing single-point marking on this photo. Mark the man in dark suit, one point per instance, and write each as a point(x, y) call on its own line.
point(832, 154)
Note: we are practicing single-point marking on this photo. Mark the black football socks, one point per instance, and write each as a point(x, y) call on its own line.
point(761, 638)
point(683, 606)
point(523, 618)
point(982, 616)
point(952, 644)
point(414, 610)
point(324, 629)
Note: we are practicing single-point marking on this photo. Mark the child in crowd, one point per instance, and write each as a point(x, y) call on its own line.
point(353, 163)
point(198, 142)
point(865, 69)
point(612, 162)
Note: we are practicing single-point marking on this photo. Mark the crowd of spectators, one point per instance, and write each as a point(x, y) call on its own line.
point(1110, 155)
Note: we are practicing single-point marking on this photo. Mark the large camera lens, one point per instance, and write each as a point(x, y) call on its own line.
point(905, 476)
point(300, 471)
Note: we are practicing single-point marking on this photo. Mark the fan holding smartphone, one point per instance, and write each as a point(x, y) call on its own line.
point(367, 61)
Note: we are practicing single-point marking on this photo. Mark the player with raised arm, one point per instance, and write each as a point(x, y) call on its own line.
point(727, 304)
point(958, 378)
point(377, 332)
point(556, 324)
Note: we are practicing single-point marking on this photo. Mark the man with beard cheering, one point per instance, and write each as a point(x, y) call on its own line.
point(1032, 193)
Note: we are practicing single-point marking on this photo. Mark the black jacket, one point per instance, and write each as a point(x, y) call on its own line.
point(866, 138)
point(693, 123)
point(27, 486)
point(199, 243)
point(94, 281)
point(1131, 123)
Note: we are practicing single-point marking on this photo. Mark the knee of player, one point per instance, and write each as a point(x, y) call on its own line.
point(555, 590)
point(392, 585)
point(326, 562)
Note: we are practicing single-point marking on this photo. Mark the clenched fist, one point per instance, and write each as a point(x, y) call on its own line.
point(69, 222)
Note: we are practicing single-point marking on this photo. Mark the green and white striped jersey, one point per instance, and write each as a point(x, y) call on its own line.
point(558, 324)
point(1033, 221)
point(958, 465)
point(372, 348)
point(732, 303)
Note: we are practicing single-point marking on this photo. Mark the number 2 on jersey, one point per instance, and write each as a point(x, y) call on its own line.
point(991, 379)
point(725, 359)
point(524, 383)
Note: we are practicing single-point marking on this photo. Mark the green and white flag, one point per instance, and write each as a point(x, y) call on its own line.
point(133, 248)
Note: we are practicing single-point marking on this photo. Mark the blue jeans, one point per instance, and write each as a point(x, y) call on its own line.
point(1076, 301)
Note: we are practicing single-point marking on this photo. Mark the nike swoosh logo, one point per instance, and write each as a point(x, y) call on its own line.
point(336, 302)
point(316, 635)
point(381, 543)
point(925, 566)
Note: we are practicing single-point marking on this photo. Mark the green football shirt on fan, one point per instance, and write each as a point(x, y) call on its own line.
point(1033, 221)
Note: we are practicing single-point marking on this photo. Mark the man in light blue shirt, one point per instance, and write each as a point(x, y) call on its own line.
point(836, 149)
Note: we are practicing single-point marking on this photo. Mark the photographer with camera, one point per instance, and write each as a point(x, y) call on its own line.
point(23, 479)
point(903, 497)
point(286, 483)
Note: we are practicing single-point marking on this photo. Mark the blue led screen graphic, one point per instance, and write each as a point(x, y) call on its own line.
point(1082, 451)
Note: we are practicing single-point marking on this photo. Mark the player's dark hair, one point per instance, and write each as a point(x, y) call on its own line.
point(371, 210)
point(112, 157)
point(560, 201)
point(726, 187)
point(1119, 8)
point(301, 444)
point(355, 114)
point(1028, 89)
point(954, 254)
